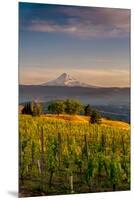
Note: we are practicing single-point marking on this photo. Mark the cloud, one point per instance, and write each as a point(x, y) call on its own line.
point(44, 26)
point(83, 22)
point(102, 16)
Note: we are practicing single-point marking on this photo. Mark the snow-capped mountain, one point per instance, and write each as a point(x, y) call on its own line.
point(66, 80)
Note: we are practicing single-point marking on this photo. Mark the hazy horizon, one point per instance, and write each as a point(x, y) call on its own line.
point(40, 83)
point(91, 44)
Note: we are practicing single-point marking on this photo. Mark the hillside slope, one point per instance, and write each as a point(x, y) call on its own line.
point(85, 119)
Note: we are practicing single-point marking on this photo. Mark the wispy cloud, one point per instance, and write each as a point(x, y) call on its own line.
point(44, 26)
point(83, 22)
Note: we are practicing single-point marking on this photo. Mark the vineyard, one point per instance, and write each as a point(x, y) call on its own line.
point(59, 156)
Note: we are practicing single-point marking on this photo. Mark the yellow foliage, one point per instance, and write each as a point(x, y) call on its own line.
point(118, 124)
point(65, 150)
point(81, 119)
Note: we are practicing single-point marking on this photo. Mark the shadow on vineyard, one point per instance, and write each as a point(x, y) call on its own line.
point(59, 156)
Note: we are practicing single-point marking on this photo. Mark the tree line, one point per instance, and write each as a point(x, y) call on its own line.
point(68, 106)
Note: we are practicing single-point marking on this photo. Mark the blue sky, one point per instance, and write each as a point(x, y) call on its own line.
point(91, 44)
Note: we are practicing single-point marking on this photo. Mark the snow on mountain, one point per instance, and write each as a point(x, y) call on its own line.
point(66, 80)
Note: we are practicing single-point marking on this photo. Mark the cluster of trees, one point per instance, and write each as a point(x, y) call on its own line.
point(33, 108)
point(68, 106)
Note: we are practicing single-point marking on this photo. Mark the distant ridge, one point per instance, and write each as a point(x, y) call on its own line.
point(67, 80)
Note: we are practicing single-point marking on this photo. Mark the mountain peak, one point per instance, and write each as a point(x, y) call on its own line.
point(66, 80)
point(65, 77)
point(64, 74)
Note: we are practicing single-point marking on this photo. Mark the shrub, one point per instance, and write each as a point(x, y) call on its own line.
point(95, 117)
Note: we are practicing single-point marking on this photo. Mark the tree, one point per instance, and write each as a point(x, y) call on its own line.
point(95, 117)
point(51, 107)
point(32, 108)
point(88, 110)
point(27, 109)
point(73, 106)
point(36, 108)
point(57, 107)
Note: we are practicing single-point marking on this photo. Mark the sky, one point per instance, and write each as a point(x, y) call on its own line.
point(89, 43)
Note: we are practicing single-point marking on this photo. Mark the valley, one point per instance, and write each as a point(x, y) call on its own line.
point(111, 102)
